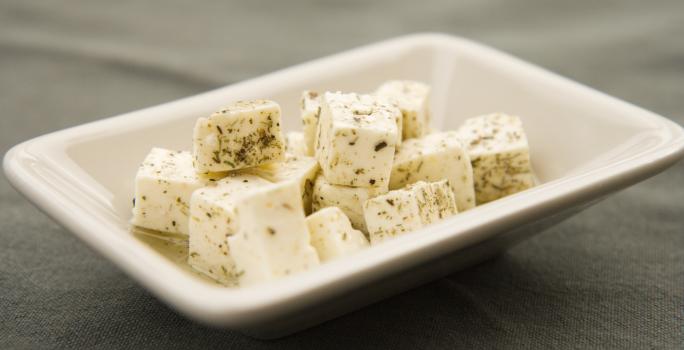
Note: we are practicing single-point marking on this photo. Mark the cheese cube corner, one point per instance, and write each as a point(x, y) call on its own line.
point(163, 185)
point(356, 139)
point(500, 155)
point(413, 99)
point(243, 134)
point(434, 157)
point(332, 234)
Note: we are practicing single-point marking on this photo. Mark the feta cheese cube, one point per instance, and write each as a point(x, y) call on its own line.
point(405, 210)
point(295, 143)
point(349, 199)
point(332, 234)
point(244, 134)
point(357, 135)
point(301, 169)
point(213, 220)
point(413, 99)
point(392, 214)
point(500, 155)
point(272, 239)
point(435, 157)
point(310, 109)
point(163, 186)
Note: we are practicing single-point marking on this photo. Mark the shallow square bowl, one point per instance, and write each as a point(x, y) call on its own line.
point(585, 145)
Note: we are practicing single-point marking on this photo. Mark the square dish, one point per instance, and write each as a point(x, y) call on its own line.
point(585, 145)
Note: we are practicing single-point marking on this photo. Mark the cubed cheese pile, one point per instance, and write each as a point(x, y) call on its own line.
point(257, 204)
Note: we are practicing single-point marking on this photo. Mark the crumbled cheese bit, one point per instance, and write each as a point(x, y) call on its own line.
point(413, 99)
point(244, 134)
point(349, 199)
point(356, 139)
point(435, 157)
point(499, 153)
point(310, 110)
point(163, 186)
point(332, 234)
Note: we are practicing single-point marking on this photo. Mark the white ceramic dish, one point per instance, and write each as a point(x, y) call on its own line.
point(584, 144)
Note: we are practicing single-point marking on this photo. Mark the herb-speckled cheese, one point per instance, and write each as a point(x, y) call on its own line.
point(244, 134)
point(310, 109)
point(332, 234)
point(392, 214)
point(163, 186)
point(413, 99)
point(301, 169)
point(272, 239)
point(405, 210)
point(349, 199)
point(356, 139)
point(295, 143)
point(213, 219)
point(500, 156)
point(435, 157)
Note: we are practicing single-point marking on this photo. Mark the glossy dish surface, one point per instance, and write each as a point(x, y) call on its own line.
point(584, 145)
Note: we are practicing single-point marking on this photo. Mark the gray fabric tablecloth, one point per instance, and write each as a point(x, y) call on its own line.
point(611, 277)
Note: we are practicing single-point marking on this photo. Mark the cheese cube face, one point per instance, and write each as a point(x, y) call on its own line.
point(436, 200)
point(332, 234)
point(163, 186)
point(310, 109)
point(272, 239)
point(301, 169)
point(349, 199)
point(392, 214)
point(356, 139)
point(213, 219)
point(435, 157)
point(242, 135)
point(295, 144)
point(413, 99)
point(499, 154)
point(405, 210)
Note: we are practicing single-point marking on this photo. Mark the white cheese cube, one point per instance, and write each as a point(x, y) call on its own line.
point(435, 157)
point(392, 214)
point(332, 234)
point(442, 199)
point(349, 199)
point(500, 155)
point(413, 99)
point(301, 169)
point(405, 210)
point(244, 134)
point(295, 143)
point(163, 186)
point(213, 220)
point(272, 238)
point(310, 109)
point(357, 135)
